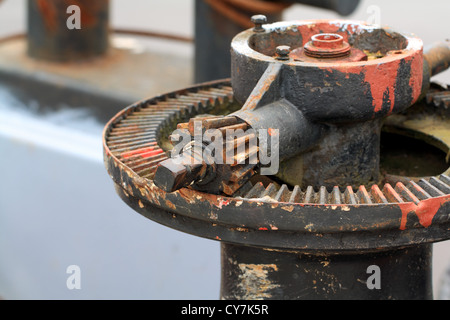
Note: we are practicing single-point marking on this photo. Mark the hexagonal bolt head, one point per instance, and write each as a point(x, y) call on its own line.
point(258, 20)
point(283, 52)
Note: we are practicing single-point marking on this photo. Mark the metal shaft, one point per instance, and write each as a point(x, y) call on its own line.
point(259, 273)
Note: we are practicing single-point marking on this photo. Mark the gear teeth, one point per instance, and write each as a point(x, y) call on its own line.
point(414, 192)
point(363, 196)
point(439, 184)
point(391, 195)
point(256, 191)
point(377, 195)
point(431, 189)
point(283, 194)
point(406, 193)
point(270, 191)
point(296, 195)
point(309, 195)
point(134, 138)
point(349, 196)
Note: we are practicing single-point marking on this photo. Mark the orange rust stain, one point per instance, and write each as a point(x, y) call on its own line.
point(89, 10)
point(49, 14)
point(222, 203)
point(425, 210)
point(263, 229)
point(170, 205)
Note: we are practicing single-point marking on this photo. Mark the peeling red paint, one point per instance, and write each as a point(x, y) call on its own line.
point(223, 203)
point(416, 80)
point(425, 210)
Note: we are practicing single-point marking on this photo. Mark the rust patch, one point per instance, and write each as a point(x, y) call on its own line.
point(170, 205)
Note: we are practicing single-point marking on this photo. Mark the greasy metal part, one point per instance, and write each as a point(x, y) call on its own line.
point(49, 37)
point(328, 101)
point(224, 171)
point(332, 93)
point(250, 273)
point(436, 60)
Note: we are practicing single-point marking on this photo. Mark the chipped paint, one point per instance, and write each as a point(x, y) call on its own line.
point(425, 211)
point(288, 208)
point(254, 281)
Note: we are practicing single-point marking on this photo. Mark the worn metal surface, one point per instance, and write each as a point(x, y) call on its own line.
point(335, 211)
point(325, 98)
point(250, 273)
point(265, 215)
point(128, 54)
point(49, 37)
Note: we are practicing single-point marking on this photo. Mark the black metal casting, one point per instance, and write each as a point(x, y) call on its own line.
point(314, 231)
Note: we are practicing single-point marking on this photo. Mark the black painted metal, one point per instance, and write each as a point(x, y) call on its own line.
point(255, 273)
point(214, 32)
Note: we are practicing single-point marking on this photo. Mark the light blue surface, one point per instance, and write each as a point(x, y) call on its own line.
point(58, 208)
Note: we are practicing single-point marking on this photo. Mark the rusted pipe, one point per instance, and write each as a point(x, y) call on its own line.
point(67, 30)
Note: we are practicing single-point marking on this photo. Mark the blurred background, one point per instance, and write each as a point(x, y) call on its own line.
point(58, 206)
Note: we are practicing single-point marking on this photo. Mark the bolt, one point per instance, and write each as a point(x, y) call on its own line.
point(283, 52)
point(259, 20)
point(327, 41)
point(327, 45)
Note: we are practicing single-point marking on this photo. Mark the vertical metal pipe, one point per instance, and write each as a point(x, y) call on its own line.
point(51, 37)
point(260, 273)
point(213, 35)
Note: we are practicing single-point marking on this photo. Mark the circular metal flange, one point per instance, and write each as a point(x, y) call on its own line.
point(380, 71)
point(270, 216)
